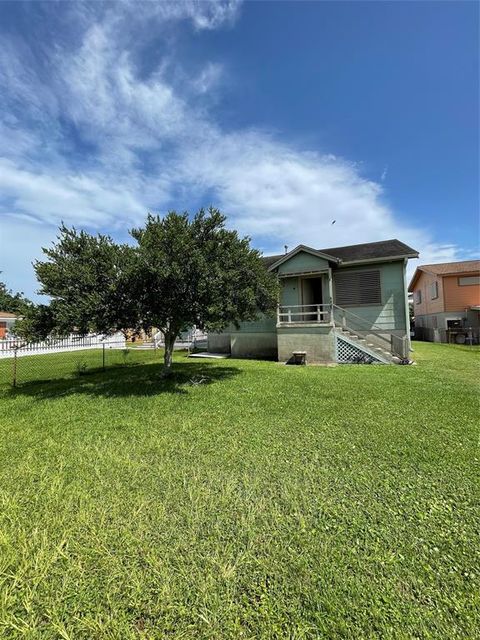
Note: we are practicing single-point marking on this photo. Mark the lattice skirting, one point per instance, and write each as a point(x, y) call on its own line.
point(349, 354)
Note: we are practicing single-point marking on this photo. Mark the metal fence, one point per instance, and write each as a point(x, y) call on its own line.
point(458, 335)
point(75, 356)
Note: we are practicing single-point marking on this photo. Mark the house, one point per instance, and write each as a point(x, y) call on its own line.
point(7, 320)
point(446, 301)
point(342, 304)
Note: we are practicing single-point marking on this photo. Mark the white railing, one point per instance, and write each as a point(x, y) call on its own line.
point(190, 339)
point(309, 313)
point(73, 342)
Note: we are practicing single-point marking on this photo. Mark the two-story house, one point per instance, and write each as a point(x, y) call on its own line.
point(446, 300)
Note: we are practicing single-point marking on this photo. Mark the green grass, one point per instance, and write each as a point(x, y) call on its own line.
point(70, 364)
point(243, 499)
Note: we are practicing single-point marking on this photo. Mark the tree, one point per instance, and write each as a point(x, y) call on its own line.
point(182, 272)
point(87, 278)
point(196, 272)
point(12, 302)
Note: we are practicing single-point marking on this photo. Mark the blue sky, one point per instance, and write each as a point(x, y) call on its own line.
point(286, 115)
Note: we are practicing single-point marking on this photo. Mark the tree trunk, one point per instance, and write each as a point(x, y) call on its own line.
point(168, 355)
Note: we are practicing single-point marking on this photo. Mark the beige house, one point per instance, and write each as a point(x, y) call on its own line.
point(446, 299)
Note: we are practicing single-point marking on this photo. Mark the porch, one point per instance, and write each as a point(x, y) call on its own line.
point(327, 319)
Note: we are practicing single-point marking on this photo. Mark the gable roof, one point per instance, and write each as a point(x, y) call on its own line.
point(445, 269)
point(373, 250)
point(369, 251)
point(302, 247)
point(7, 314)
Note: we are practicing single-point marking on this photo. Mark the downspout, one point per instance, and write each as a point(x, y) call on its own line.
point(405, 298)
point(330, 293)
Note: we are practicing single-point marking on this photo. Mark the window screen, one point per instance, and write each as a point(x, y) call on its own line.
point(418, 297)
point(434, 290)
point(358, 287)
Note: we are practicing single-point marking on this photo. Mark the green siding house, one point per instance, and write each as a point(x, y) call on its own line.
point(343, 304)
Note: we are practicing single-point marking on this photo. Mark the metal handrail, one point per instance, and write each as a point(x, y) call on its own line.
point(371, 330)
point(350, 313)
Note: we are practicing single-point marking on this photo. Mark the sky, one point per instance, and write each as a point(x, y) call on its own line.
point(285, 115)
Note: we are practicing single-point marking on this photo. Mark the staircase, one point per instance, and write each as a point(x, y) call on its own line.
point(352, 348)
point(357, 340)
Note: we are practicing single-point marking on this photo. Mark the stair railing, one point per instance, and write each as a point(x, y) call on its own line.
point(352, 322)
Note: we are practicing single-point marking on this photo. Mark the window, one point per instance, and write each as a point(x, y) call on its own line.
point(418, 297)
point(468, 280)
point(434, 290)
point(357, 287)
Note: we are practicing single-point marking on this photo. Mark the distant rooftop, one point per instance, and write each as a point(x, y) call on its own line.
point(445, 269)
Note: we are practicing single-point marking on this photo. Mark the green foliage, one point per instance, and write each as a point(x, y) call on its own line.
point(182, 272)
point(81, 368)
point(87, 278)
point(37, 323)
point(267, 502)
point(12, 302)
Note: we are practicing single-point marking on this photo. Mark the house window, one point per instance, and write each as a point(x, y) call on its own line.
point(434, 290)
point(468, 280)
point(418, 297)
point(357, 287)
point(434, 322)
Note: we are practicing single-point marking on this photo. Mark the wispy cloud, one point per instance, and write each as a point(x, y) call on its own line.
point(93, 138)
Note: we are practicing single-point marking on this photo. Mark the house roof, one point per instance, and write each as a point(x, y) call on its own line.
point(7, 314)
point(302, 247)
point(445, 269)
point(369, 251)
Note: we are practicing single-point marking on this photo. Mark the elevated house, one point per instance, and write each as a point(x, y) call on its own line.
point(342, 304)
point(446, 299)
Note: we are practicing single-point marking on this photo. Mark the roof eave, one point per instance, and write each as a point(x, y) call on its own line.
point(405, 256)
point(302, 247)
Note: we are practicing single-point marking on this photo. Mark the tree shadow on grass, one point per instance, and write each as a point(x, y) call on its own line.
point(131, 380)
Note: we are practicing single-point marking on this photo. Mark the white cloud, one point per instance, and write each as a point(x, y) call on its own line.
point(148, 137)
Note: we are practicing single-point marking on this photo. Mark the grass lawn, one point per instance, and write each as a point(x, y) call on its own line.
point(243, 499)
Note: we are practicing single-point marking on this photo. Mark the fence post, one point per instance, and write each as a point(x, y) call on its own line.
point(14, 381)
point(103, 356)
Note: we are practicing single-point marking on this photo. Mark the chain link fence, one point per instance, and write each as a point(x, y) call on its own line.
point(70, 357)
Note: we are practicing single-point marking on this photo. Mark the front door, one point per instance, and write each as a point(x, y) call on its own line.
point(311, 296)
point(3, 329)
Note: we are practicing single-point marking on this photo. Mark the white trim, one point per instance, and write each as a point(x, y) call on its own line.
point(407, 307)
point(302, 274)
point(346, 263)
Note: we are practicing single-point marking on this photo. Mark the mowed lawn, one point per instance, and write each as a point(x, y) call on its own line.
point(243, 499)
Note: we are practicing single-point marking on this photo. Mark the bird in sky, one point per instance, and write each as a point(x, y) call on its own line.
point(333, 221)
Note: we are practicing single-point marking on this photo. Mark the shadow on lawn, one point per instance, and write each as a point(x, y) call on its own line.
point(132, 380)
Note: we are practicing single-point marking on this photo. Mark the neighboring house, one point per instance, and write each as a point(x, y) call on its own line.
point(7, 320)
point(446, 300)
point(344, 304)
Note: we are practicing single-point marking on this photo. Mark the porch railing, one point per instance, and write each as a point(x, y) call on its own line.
point(308, 313)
